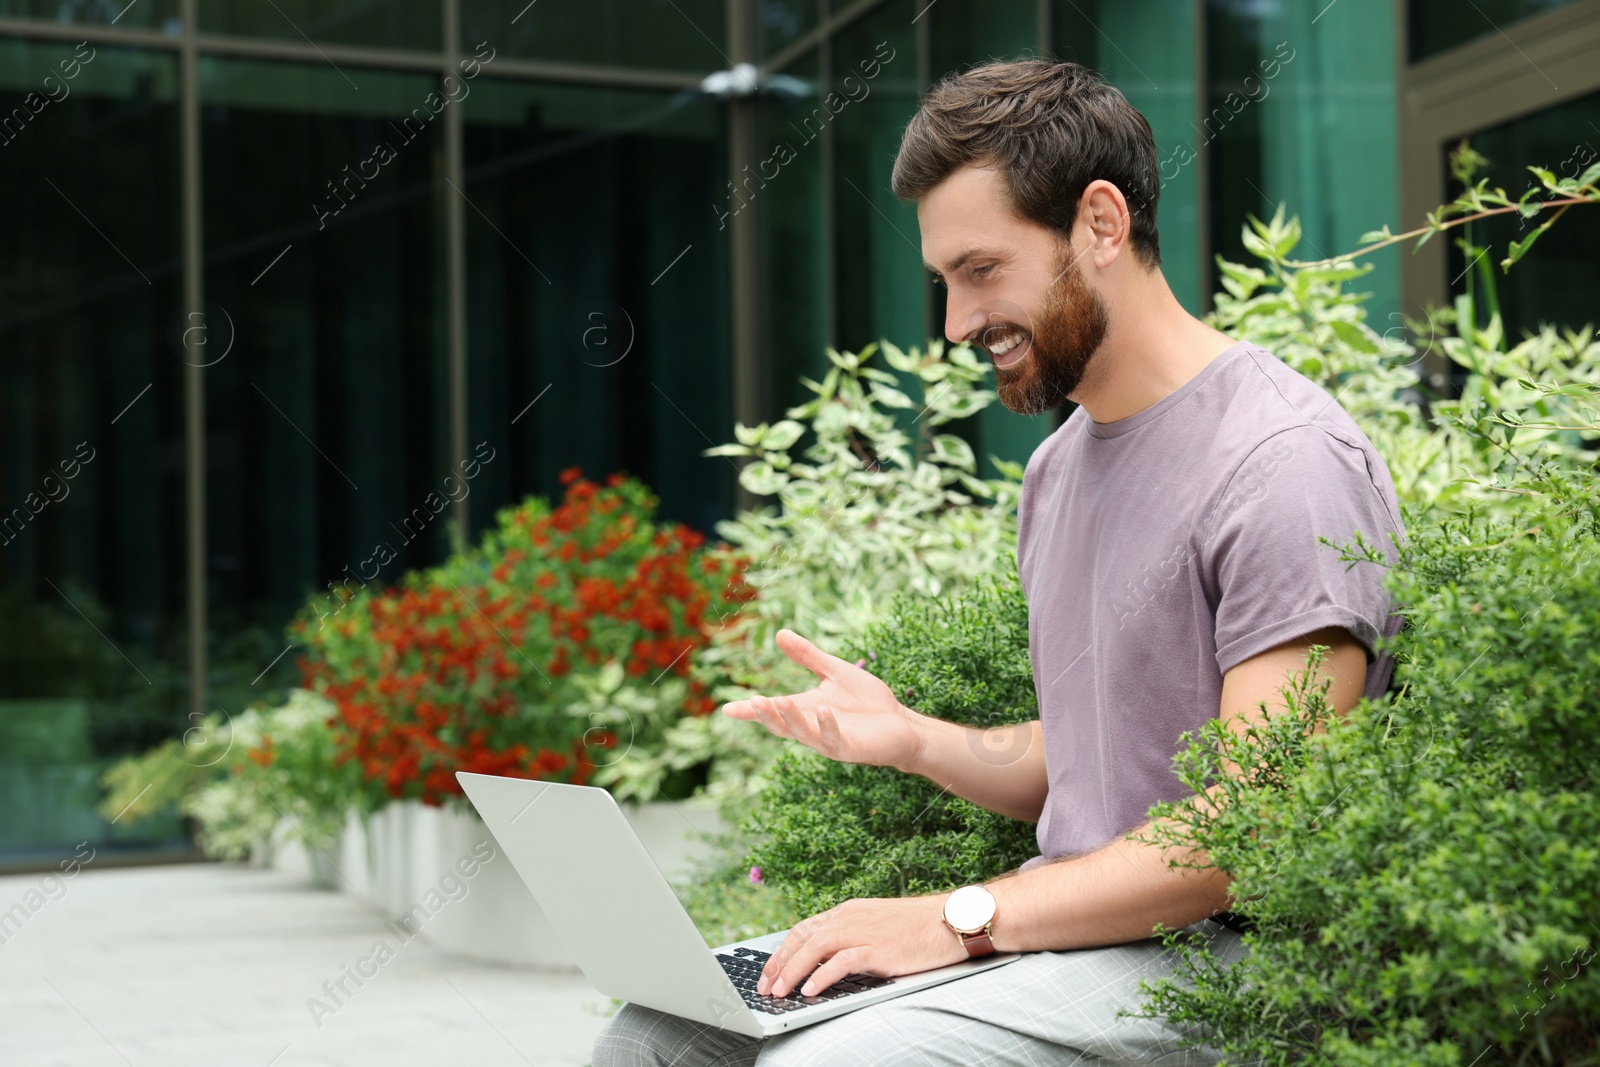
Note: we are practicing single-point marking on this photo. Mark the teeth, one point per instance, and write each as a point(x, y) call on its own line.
point(1002, 347)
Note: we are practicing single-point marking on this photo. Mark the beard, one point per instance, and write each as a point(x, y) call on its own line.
point(1067, 332)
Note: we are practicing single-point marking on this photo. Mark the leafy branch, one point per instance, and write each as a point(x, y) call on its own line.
point(1480, 201)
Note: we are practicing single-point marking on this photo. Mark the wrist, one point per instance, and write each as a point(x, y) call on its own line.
point(921, 726)
point(969, 913)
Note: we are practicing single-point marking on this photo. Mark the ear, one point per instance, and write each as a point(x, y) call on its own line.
point(1103, 213)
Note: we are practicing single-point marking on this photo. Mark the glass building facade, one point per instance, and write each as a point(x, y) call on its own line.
point(270, 273)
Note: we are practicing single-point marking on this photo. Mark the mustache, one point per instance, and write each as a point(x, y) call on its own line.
point(996, 331)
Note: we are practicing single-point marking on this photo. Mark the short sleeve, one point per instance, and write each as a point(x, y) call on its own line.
point(1270, 574)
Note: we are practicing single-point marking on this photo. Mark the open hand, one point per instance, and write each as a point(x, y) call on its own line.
point(850, 715)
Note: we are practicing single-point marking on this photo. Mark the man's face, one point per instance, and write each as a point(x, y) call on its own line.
point(1015, 290)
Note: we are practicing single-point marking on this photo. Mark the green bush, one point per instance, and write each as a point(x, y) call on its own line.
point(827, 831)
point(1310, 318)
point(1424, 875)
point(240, 776)
point(871, 497)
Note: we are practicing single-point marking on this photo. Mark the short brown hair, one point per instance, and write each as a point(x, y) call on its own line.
point(1050, 129)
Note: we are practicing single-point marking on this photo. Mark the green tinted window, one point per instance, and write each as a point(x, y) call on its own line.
point(92, 575)
point(881, 286)
point(378, 23)
point(597, 270)
point(653, 34)
point(1555, 281)
point(1437, 25)
point(781, 22)
point(786, 192)
point(1300, 111)
point(324, 256)
point(123, 14)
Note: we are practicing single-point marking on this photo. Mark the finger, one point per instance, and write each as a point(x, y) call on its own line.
point(846, 961)
point(828, 732)
point(782, 955)
point(746, 709)
point(798, 723)
point(739, 709)
point(812, 951)
point(809, 655)
point(768, 715)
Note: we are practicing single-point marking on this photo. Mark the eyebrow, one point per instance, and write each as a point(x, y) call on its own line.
point(955, 264)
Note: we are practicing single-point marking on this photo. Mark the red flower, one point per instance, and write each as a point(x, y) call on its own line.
point(428, 681)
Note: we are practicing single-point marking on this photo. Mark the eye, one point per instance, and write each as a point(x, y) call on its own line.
point(983, 271)
point(935, 279)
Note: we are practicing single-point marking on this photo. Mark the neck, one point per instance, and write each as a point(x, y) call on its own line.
point(1152, 347)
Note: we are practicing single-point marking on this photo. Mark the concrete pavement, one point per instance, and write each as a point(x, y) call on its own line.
point(219, 964)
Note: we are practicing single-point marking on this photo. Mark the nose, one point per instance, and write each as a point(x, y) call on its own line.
point(962, 322)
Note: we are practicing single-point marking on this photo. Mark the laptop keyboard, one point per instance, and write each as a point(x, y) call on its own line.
point(744, 969)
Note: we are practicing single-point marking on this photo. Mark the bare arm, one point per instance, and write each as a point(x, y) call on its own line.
point(1119, 893)
point(1000, 768)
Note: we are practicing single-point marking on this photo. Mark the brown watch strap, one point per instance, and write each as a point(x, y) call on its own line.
point(978, 944)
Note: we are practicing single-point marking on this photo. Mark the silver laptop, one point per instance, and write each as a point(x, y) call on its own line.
point(599, 887)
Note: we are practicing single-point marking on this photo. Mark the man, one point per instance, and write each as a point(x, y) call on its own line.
point(1168, 548)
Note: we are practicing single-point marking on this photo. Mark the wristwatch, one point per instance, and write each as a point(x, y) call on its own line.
point(969, 911)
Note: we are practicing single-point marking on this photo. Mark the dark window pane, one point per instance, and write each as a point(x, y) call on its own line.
point(138, 15)
point(1437, 25)
point(379, 23)
point(91, 437)
point(785, 190)
point(1557, 280)
point(653, 34)
point(326, 420)
point(597, 281)
point(881, 286)
point(967, 33)
point(782, 22)
point(1078, 38)
point(1300, 110)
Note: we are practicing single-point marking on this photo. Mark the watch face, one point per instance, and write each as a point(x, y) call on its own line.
point(969, 909)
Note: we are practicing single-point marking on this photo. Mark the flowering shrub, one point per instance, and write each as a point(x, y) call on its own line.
point(239, 776)
point(470, 666)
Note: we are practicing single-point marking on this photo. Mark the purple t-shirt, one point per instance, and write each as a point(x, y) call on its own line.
point(1162, 550)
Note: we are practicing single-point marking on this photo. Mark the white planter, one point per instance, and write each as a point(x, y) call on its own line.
point(439, 873)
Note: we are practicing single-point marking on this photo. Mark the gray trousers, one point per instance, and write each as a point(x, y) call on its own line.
point(1046, 1008)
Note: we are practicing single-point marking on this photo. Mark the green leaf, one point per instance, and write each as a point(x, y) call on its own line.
point(1256, 245)
point(1353, 335)
point(890, 397)
point(1517, 249)
point(1007, 468)
point(953, 450)
point(749, 435)
point(782, 435)
point(761, 479)
point(898, 359)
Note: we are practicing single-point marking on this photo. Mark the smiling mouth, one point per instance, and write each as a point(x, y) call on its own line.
point(1007, 347)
